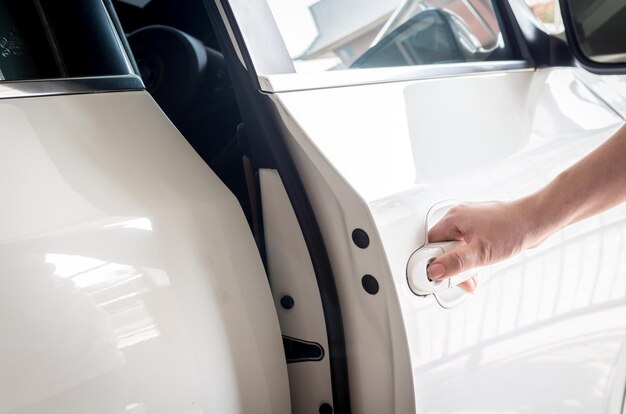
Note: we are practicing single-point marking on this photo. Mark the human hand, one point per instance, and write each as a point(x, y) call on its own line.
point(491, 231)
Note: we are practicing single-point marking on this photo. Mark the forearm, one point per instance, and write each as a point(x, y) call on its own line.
point(495, 231)
point(594, 184)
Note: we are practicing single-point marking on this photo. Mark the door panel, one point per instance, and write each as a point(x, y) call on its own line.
point(610, 88)
point(129, 278)
point(545, 331)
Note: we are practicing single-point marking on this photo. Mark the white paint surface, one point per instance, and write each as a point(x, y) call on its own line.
point(546, 330)
point(129, 279)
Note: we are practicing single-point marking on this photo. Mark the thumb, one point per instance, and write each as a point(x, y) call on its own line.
point(457, 261)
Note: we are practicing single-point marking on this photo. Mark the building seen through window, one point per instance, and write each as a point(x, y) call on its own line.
point(344, 34)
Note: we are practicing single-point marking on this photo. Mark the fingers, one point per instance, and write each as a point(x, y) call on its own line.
point(457, 261)
point(470, 285)
point(444, 230)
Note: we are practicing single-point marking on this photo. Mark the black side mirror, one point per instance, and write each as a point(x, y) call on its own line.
point(596, 33)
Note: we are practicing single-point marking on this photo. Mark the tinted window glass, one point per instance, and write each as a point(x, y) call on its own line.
point(601, 29)
point(43, 39)
point(25, 51)
point(343, 34)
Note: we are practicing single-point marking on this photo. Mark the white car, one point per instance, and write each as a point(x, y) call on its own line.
point(222, 206)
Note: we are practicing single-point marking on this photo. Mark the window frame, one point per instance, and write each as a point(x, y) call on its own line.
point(292, 82)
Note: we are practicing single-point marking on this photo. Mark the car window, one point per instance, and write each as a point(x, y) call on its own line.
point(38, 40)
point(24, 49)
point(549, 14)
point(342, 34)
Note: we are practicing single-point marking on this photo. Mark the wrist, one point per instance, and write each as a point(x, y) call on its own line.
point(534, 219)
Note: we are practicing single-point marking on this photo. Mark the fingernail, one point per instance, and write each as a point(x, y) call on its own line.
point(435, 271)
point(473, 286)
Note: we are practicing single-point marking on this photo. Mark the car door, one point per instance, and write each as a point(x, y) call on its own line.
point(129, 278)
point(375, 149)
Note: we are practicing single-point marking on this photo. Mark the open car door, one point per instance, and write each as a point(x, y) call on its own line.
point(129, 278)
point(379, 153)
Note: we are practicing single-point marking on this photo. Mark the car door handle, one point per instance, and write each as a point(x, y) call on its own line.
point(417, 274)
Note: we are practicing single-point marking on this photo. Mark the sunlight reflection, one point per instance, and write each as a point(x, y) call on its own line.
point(577, 102)
point(119, 289)
point(542, 310)
point(68, 266)
point(136, 408)
point(140, 223)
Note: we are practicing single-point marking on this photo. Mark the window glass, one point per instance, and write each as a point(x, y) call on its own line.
point(25, 52)
point(46, 39)
point(549, 14)
point(342, 34)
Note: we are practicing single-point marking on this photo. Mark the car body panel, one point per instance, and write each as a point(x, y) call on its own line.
point(610, 88)
point(415, 123)
point(130, 278)
point(544, 328)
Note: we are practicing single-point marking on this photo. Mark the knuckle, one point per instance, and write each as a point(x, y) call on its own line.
point(457, 214)
point(483, 252)
point(447, 222)
point(455, 211)
point(456, 260)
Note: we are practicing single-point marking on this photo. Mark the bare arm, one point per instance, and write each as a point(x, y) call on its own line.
point(496, 231)
point(592, 185)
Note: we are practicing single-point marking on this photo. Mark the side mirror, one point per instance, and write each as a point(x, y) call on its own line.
point(596, 33)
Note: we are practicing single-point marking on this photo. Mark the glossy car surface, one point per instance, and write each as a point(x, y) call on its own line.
point(259, 261)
